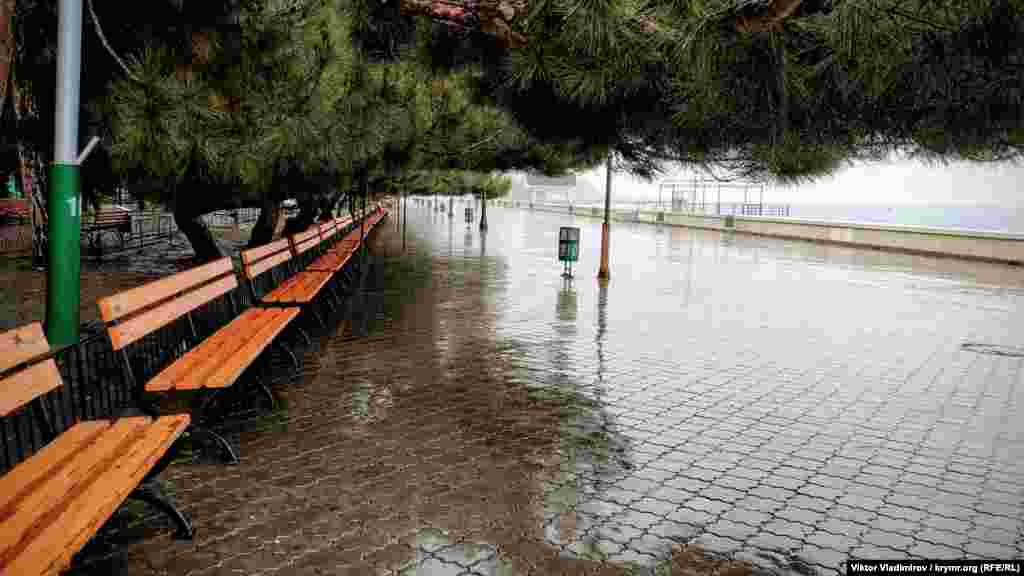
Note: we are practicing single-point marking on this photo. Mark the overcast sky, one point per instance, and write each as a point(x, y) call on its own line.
point(892, 183)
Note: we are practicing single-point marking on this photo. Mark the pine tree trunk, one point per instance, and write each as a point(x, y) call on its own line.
point(192, 199)
point(203, 243)
point(266, 224)
point(306, 217)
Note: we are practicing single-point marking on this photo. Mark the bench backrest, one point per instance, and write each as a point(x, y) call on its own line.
point(256, 261)
point(17, 346)
point(306, 240)
point(328, 230)
point(134, 313)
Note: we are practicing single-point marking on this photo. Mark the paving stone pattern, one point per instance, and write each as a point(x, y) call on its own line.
point(785, 403)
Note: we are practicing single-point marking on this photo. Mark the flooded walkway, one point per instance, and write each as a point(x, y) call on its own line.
point(785, 403)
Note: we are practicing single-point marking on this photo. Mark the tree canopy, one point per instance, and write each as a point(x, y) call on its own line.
point(783, 89)
point(248, 102)
point(304, 88)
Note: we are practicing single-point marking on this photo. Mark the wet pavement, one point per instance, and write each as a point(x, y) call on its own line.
point(786, 403)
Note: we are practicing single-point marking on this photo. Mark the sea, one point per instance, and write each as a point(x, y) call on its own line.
point(970, 217)
point(984, 217)
point(989, 218)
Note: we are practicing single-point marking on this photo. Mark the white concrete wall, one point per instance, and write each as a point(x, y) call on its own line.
point(994, 246)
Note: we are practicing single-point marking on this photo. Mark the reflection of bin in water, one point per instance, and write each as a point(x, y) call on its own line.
point(567, 306)
point(469, 215)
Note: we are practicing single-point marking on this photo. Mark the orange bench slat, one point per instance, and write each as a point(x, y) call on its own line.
point(130, 301)
point(228, 372)
point(190, 371)
point(44, 532)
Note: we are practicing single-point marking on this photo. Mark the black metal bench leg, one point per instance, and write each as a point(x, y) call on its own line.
point(330, 305)
point(262, 388)
point(305, 336)
point(151, 494)
point(345, 280)
point(208, 437)
point(291, 355)
point(334, 293)
point(199, 431)
point(318, 318)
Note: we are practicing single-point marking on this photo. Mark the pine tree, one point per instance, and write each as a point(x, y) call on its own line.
point(221, 104)
point(303, 103)
point(783, 89)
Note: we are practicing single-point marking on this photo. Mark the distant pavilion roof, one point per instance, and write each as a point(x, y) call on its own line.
point(541, 180)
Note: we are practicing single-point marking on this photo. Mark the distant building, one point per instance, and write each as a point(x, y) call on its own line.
point(540, 189)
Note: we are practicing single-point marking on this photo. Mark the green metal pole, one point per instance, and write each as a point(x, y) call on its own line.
point(63, 271)
point(63, 274)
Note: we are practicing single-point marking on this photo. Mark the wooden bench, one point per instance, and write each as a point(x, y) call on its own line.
point(208, 364)
point(339, 254)
point(348, 246)
point(328, 261)
point(53, 502)
point(300, 287)
point(14, 208)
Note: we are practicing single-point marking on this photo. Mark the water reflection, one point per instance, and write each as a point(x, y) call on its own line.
point(602, 326)
point(475, 409)
point(566, 307)
point(593, 455)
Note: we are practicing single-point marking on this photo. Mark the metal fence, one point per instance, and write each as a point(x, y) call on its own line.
point(235, 217)
point(95, 385)
point(717, 208)
point(148, 228)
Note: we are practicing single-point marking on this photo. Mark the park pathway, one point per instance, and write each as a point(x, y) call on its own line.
point(786, 403)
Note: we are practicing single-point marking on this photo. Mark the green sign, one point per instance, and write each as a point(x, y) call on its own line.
point(568, 244)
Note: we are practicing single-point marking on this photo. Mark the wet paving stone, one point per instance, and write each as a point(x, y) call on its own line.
point(793, 403)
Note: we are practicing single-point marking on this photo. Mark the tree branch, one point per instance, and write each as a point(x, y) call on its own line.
point(106, 44)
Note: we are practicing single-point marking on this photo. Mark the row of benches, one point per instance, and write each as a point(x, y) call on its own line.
point(54, 501)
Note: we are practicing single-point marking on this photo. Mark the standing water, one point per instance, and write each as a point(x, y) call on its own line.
point(783, 403)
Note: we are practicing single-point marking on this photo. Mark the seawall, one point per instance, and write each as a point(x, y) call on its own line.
point(970, 244)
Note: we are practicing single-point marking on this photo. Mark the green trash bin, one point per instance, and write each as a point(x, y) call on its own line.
point(568, 244)
point(568, 248)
